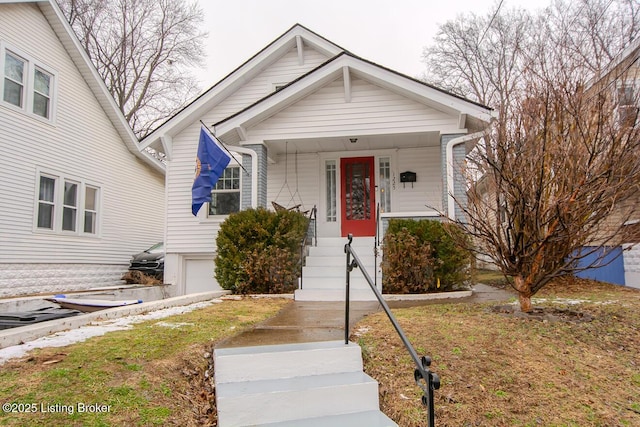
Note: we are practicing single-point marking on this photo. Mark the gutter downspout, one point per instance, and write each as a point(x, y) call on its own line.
point(451, 203)
point(254, 172)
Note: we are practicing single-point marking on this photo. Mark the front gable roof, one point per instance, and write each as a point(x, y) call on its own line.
point(72, 45)
point(293, 37)
point(233, 128)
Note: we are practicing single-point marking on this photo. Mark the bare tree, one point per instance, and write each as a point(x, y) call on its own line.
point(560, 168)
point(480, 57)
point(143, 50)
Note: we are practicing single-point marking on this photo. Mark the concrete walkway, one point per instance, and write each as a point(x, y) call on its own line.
point(324, 321)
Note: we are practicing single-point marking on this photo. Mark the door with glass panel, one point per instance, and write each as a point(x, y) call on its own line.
point(358, 196)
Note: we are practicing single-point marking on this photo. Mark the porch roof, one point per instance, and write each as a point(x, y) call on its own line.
point(471, 114)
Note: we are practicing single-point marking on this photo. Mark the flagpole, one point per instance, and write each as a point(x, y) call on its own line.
point(224, 146)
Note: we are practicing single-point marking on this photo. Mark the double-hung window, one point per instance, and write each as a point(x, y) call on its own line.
point(14, 79)
point(68, 206)
point(627, 104)
point(46, 202)
point(225, 196)
point(26, 84)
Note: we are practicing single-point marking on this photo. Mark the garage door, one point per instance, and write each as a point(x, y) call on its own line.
point(199, 276)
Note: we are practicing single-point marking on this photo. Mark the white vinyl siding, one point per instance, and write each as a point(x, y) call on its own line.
point(372, 110)
point(85, 147)
point(426, 193)
point(303, 181)
point(282, 71)
point(186, 234)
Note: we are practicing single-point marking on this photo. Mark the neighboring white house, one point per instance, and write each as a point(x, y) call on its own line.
point(78, 197)
point(318, 126)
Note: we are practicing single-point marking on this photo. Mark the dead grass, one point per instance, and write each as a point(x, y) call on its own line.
point(135, 277)
point(152, 374)
point(497, 370)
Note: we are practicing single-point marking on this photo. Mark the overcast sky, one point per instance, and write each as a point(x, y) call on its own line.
point(390, 33)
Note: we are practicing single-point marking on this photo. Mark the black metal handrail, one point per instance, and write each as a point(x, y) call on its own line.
point(376, 245)
point(428, 381)
point(304, 243)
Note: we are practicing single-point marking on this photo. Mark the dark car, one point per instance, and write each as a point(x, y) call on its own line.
point(150, 261)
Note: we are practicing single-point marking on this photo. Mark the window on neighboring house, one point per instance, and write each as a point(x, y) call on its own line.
point(69, 206)
point(42, 93)
point(225, 196)
point(14, 70)
point(46, 202)
point(90, 209)
point(627, 104)
point(26, 85)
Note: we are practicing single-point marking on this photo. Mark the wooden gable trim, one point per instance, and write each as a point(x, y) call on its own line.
point(300, 48)
point(344, 65)
point(346, 76)
point(236, 78)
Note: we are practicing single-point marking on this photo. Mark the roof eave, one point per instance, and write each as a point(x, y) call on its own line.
point(384, 77)
point(239, 76)
point(71, 43)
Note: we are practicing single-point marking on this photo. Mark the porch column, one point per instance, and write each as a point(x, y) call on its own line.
point(261, 151)
point(459, 187)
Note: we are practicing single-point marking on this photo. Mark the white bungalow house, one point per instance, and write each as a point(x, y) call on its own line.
point(314, 125)
point(78, 197)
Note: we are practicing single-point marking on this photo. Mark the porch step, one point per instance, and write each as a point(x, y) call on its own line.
point(357, 419)
point(286, 361)
point(357, 281)
point(339, 242)
point(309, 384)
point(324, 273)
point(336, 261)
point(334, 295)
point(334, 271)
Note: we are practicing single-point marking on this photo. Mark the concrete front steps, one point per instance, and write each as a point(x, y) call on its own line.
point(308, 384)
point(324, 273)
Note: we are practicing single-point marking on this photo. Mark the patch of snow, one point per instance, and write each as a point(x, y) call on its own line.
point(361, 331)
point(174, 325)
point(83, 333)
point(565, 301)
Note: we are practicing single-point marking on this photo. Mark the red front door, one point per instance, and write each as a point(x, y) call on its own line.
point(358, 196)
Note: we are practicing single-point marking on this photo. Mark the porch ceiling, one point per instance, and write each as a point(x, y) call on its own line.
point(363, 143)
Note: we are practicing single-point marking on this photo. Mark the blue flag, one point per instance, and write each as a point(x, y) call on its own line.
point(210, 164)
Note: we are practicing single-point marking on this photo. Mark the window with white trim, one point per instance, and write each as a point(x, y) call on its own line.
point(14, 79)
point(90, 209)
point(225, 196)
point(26, 84)
point(332, 188)
point(46, 202)
point(67, 206)
point(384, 183)
point(70, 206)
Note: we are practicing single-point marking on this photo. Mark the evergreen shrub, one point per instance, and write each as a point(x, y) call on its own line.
point(422, 256)
point(259, 251)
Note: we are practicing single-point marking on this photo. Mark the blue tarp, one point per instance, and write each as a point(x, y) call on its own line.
point(610, 269)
